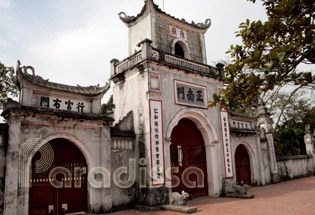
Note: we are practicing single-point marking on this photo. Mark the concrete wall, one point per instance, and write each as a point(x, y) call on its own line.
point(292, 167)
point(131, 95)
point(138, 32)
point(3, 141)
point(164, 40)
point(123, 197)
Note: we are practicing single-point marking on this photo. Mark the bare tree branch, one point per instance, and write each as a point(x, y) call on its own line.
point(285, 104)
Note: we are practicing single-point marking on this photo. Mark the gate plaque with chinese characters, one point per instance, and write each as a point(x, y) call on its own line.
point(189, 94)
point(177, 32)
point(157, 144)
point(64, 104)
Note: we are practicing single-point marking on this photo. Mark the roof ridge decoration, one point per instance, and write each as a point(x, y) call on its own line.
point(21, 73)
point(130, 19)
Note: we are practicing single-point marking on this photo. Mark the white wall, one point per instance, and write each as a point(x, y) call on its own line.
point(295, 166)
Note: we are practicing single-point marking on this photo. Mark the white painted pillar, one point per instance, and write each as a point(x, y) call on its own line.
point(12, 168)
point(212, 170)
point(106, 161)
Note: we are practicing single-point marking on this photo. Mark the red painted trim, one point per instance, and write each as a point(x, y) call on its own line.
point(162, 142)
point(151, 171)
point(197, 85)
point(232, 159)
point(223, 152)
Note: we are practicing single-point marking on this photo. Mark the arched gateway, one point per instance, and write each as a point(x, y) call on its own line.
point(242, 166)
point(188, 159)
point(58, 179)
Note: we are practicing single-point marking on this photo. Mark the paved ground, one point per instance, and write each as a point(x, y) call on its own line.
point(296, 197)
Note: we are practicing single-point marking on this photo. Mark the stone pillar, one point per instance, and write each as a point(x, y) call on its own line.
point(261, 169)
point(11, 189)
point(220, 67)
point(113, 63)
point(96, 105)
point(146, 50)
point(272, 158)
point(265, 123)
point(100, 175)
point(203, 52)
point(167, 156)
point(309, 141)
point(214, 184)
point(150, 197)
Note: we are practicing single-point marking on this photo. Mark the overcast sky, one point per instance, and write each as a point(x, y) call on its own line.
point(73, 41)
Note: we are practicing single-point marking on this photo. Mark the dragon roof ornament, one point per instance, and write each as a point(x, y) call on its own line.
point(129, 19)
point(22, 73)
point(125, 18)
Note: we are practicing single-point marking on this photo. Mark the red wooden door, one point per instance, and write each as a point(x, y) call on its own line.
point(188, 154)
point(242, 164)
point(44, 193)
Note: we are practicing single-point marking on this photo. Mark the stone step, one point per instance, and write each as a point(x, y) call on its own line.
point(182, 209)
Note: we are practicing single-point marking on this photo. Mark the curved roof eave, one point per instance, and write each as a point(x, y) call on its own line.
point(39, 81)
point(131, 19)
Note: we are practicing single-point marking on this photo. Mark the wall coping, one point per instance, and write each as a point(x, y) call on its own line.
point(59, 113)
point(295, 157)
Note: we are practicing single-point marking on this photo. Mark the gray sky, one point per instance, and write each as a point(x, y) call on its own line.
point(73, 41)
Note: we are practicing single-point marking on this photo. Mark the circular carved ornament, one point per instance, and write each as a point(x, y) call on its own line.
point(155, 55)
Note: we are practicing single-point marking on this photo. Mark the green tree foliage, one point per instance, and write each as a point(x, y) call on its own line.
point(108, 107)
point(7, 88)
point(269, 54)
point(310, 119)
point(289, 141)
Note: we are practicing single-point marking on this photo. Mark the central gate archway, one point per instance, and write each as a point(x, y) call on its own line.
point(188, 155)
point(58, 186)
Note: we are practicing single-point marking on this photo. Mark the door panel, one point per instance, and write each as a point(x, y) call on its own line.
point(242, 164)
point(188, 153)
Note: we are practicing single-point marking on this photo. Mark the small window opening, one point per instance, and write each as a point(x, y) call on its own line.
point(179, 51)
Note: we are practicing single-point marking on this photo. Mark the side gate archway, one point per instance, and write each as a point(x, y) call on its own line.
point(58, 179)
point(242, 165)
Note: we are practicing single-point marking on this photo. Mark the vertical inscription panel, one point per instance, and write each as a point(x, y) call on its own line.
point(157, 144)
point(272, 155)
point(226, 140)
